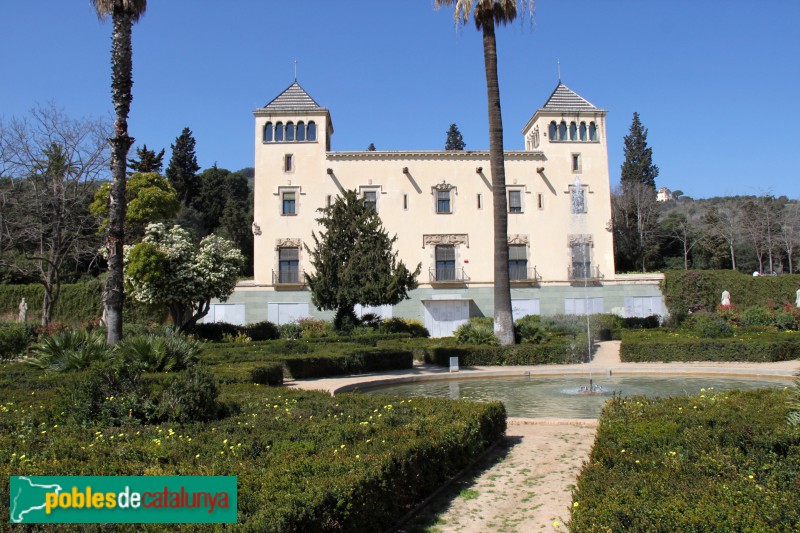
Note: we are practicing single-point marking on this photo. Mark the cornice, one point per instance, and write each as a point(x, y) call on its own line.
point(471, 155)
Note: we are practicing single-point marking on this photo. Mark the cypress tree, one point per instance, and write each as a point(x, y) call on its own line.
point(638, 166)
point(183, 167)
point(454, 139)
point(635, 211)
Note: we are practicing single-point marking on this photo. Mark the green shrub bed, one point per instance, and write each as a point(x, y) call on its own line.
point(674, 345)
point(305, 461)
point(556, 351)
point(713, 462)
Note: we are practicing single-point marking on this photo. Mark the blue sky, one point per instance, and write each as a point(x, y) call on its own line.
point(707, 78)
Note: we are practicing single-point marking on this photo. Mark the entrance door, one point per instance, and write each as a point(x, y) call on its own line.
point(442, 318)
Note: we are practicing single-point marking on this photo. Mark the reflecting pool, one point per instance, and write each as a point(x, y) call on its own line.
point(560, 396)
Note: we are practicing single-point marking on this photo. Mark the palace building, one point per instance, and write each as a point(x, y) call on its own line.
point(439, 204)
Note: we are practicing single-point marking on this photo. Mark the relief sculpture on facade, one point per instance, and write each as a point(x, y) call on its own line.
point(452, 238)
point(288, 243)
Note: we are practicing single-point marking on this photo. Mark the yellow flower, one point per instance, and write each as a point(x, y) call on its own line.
point(556, 523)
point(197, 456)
point(575, 504)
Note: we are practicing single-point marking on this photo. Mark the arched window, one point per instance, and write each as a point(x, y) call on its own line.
point(562, 131)
point(583, 131)
point(312, 131)
point(268, 132)
point(279, 132)
point(573, 131)
point(289, 131)
point(552, 133)
point(592, 131)
point(301, 131)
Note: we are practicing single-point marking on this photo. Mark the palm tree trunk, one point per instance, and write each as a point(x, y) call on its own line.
point(121, 83)
point(503, 321)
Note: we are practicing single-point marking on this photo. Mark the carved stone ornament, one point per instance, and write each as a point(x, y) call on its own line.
point(580, 239)
point(256, 229)
point(443, 187)
point(432, 240)
point(518, 239)
point(610, 226)
point(288, 243)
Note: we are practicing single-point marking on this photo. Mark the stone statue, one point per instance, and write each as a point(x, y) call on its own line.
point(23, 311)
point(726, 298)
point(797, 299)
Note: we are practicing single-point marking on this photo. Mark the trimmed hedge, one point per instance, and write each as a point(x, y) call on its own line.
point(355, 362)
point(268, 374)
point(702, 289)
point(77, 303)
point(304, 358)
point(305, 461)
point(714, 462)
point(15, 339)
point(557, 351)
point(669, 345)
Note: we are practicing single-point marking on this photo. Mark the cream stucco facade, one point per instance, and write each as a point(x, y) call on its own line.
point(439, 204)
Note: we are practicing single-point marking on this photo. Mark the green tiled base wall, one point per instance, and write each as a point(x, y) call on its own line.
point(551, 299)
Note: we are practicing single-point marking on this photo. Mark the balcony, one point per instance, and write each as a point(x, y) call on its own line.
point(584, 274)
point(288, 279)
point(523, 275)
point(448, 275)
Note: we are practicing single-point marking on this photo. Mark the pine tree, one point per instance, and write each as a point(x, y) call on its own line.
point(353, 261)
point(183, 167)
point(454, 139)
point(635, 209)
point(149, 161)
point(371, 147)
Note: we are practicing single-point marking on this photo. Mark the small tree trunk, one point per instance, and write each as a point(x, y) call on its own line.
point(503, 320)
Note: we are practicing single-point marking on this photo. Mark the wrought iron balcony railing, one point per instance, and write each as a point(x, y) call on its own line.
point(523, 274)
point(586, 273)
point(288, 277)
point(448, 275)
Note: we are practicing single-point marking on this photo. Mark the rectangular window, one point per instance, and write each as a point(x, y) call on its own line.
point(581, 260)
point(517, 262)
point(288, 163)
point(446, 262)
point(480, 201)
point(515, 201)
point(443, 201)
point(288, 203)
point(578, 199)
point(371, 199)
point(288, 265)
point(540, 200)
point(405, 201)
point(576, 162)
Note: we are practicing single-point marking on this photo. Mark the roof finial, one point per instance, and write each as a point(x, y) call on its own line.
point(558, 61)
point(295, 70)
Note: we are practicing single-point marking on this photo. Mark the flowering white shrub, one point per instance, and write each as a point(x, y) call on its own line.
point(166, 268)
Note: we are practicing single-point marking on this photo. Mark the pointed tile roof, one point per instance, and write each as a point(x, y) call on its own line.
point(295, 98)
point(565, 99)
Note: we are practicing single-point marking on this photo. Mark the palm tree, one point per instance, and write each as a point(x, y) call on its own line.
point(487, 14)
point(123, 13)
